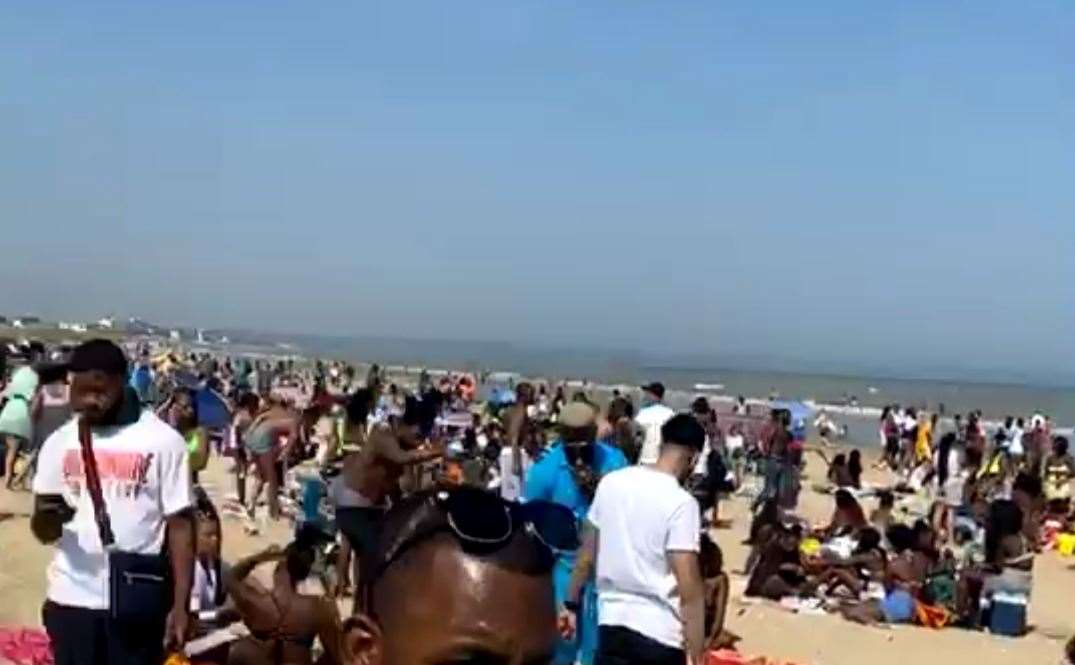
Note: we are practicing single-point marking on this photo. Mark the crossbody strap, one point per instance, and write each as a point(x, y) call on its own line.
point(93, 485)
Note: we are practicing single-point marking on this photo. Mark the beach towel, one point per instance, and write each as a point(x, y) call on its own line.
point(932, 616)
point(25, 646)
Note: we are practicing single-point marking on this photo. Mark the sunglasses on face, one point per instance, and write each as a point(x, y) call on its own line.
point(579, 452)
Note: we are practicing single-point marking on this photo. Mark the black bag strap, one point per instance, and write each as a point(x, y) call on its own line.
point(93, 485)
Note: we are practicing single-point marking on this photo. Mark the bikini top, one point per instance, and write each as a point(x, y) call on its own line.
point(277, 635)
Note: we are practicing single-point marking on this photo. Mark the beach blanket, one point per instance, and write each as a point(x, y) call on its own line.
point(25, 646)
point(729, 657)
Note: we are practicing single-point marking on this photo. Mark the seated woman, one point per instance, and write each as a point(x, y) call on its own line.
point(779, 570)
point(1009, 558)
point(1006, 564)
point(763, 527)
point(864, 571)
point(283, 622)
point(717, 588)
point(854, 468)
point(1057, 472)
point(839, 475)
point(848, 518)
point(1029, 495)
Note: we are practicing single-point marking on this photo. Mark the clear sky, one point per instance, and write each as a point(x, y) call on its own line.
point(854, 181)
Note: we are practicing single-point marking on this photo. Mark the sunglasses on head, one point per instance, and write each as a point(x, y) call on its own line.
point(477, 517)
point(483, 523)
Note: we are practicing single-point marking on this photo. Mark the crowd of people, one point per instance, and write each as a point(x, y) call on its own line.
point(564, 526)
point(975, 509)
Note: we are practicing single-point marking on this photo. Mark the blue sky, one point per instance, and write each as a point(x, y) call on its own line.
point(843, 182)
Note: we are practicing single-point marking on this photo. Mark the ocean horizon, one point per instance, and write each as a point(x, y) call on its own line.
point(996, 398)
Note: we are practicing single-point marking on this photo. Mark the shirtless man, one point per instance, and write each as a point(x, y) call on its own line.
point(371, 475)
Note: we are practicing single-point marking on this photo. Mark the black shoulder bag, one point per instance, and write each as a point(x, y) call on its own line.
point(139, 585)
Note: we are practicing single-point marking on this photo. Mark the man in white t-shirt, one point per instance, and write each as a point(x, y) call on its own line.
point(651, 417)
point(644, 535)
point(144, 473)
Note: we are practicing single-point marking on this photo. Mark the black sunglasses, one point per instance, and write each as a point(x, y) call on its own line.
point(481, 521)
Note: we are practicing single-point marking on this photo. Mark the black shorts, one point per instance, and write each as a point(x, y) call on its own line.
point(360, 526)
point(892, 446)
point(90, 637)
point(618, 645)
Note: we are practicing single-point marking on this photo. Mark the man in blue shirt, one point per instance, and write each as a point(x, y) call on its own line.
point(568, 475)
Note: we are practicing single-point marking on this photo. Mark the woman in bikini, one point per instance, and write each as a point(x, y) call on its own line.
point(262, 442)
point(283, 622)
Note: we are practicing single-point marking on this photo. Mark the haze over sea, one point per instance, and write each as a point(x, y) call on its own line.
point(996, 393)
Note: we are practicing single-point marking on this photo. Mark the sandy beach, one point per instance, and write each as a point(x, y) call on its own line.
point(769, 630)
point(766, 628)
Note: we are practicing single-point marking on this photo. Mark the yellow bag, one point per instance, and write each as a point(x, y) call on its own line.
point(810, 546)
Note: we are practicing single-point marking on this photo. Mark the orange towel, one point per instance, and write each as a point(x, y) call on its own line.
point(931, 616)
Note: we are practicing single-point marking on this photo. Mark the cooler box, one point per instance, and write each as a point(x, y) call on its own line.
point(1007, 615)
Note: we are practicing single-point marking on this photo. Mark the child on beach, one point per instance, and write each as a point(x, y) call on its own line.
point(717, 592)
